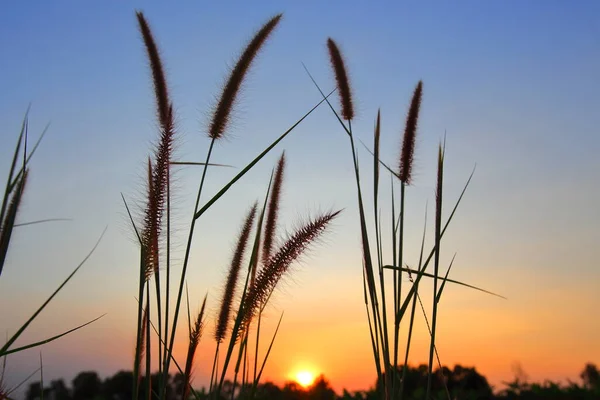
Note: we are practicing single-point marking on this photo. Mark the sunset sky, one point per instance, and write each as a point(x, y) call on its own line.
point(514, 85)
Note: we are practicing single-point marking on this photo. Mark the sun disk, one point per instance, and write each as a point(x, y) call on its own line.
point(305, 378)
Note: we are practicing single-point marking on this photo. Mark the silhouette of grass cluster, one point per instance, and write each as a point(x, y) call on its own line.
point(258, 263)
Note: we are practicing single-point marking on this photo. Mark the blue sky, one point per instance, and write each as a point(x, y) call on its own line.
point(514, 84)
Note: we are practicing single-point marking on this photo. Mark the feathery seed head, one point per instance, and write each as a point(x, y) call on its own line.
point(410, 133)
point(160, 170)
point(160, 83)
point(279, 263)
point(222, 112)
point(339, 68)
point(232, 277)
point(273, 210)
point(195, 336)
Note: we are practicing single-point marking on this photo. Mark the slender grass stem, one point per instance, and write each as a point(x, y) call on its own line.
point(438, 235)
point(148, 346)
point(185, 264)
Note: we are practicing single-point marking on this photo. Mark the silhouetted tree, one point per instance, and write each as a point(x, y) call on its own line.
point(86, 386)
point(321, 390)
point(59, 390)
point(590, 376)
point(119, 386)
point(34, 391)
point(268, 390)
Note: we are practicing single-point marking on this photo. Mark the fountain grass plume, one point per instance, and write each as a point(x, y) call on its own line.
point(279, 263)
point(162, 156)
point(273, 210)
point(341, 77)
point(195, 336)
point(410, 133)
point(158, 76)
point(222, 111)
point(232, 277)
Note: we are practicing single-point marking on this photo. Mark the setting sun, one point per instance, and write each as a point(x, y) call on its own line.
point(305, 378)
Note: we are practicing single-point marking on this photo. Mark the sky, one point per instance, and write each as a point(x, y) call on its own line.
point(512, 85)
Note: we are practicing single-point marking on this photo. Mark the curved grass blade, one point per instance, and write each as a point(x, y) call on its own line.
point(137, 233)
point(411, 292)
point(325, 98)
point(170, 355)
point(268, 352)
point(42, 221)
point(434, 346)
point(439, 294)
point(4, 349)
point(9, 185)
point(256, 160)
point(41, 377)
point(26, 162)
point(9, 221)
point(428, 275)
point(200, 164)
point(381, 162)
point(53, 338)
point(21, 383)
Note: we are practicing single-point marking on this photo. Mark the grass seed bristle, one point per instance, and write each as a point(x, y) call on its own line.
point(279, 263)
point(410, 133)
point(222, 113)
point(273, 210)
point(160, 83)
point(232, 277)
point(341, 76)
point(195, 336)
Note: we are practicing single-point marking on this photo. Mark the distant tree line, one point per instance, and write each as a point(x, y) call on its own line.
point(459, 383)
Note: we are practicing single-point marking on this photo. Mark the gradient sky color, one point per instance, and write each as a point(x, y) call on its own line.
point(514, 84)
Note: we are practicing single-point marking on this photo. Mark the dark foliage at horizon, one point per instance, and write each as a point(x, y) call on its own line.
point(463, 383)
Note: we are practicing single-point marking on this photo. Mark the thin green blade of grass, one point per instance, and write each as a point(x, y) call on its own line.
point(439, 295)
point(135, 229)
point(434, 347)
point(51, 339)
point(436, 262)
point(9, 186)
point(140, 321)
point(428, 275)
point(4, 349)
point(262, 367)
point(380, 161)
point(9, 222)
point(374, 344)
point(41, 377)
point(419, 273)
point(254, 161)
point(28, 158)
point(413, 309)
point(148, 345)
point(42, 221)
point(16, 387)
point(201, 164)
